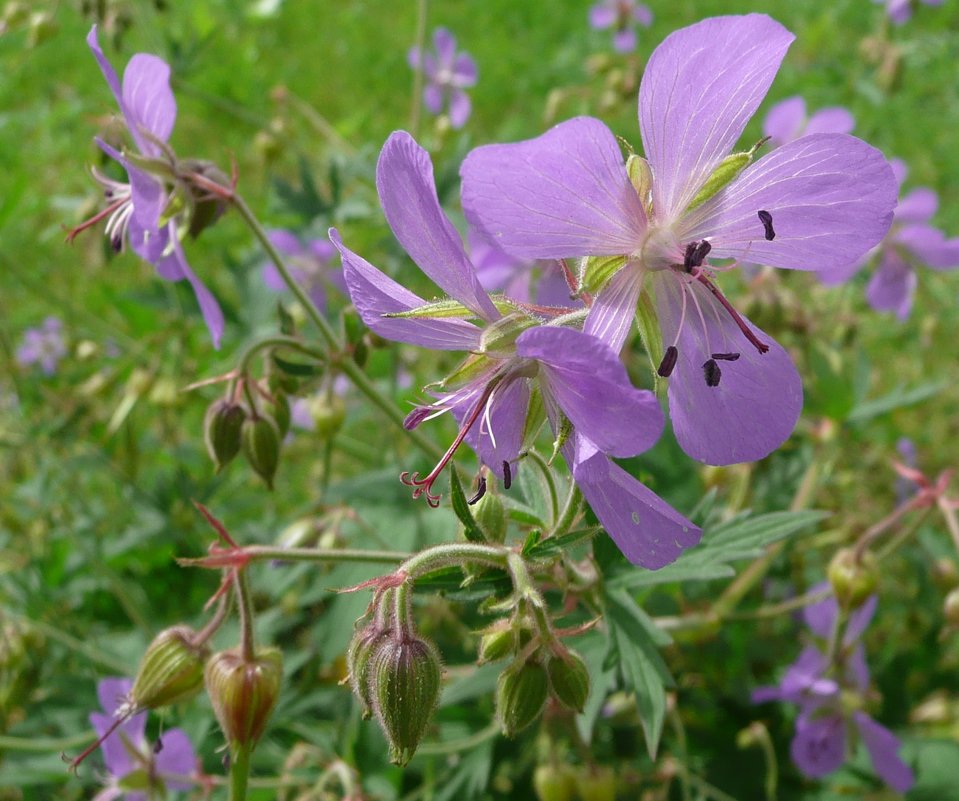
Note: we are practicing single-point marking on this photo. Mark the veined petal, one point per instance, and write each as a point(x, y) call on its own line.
point(146, 192)
point(404, 180)
point(644, 527)
point(757, 402)
point(498, 434)
point(917, 206)
point(590, 384)
point(176, 758)
point(892, 286)
point(819, 746)
point(611, 316)
point(700, 87)
point(562, 194)
point(883, 747)
point(930, 246)
point(374, 294)
point(148, 102)
point(831, 197)
point(209, 307)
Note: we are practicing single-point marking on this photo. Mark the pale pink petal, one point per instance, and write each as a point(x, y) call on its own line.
point(699, 89)
point(563, 194)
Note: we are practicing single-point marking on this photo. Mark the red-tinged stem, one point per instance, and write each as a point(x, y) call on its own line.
point(100, 215)
point(761, 346)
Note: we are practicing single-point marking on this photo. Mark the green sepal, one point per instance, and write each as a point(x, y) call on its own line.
point(641, 177)
point(471, 367)
point(158, 167)
point(597, 270)
point(500, 337)
point(535, 417)
point(647, 323)
point(462, 510)
point(728, 169)
point(565, 429)
point(437, 309)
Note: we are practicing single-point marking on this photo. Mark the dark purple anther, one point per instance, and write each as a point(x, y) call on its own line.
point(767, 220)
point(712, 372)
point(669, 362)
point(480, 491)
point(158, 745)
point(507, 476)
point(695, 254)
point(726, 357)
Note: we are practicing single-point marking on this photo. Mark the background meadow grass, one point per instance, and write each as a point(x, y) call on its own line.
point(100, 462)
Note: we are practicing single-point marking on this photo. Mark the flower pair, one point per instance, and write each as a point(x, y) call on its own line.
point(523, 358)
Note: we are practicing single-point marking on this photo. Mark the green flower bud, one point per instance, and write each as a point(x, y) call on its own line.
point(260, 440)
point(569, 680)
point(359, 661)
point(170, 671)
point(496, 645)
point(405, 688)
point(244, 693)
point(221, 431)
point(553, 782)
point(521, 695)
point(490, 515)
point(280, 412)
point(597, 783)
point(852, 581)
point(328, 414)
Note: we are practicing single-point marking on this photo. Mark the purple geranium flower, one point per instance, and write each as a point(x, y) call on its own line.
point(816, 203)
point(787, 120)
point(515, 352)
point(624, 16)
point(498, 271)
point(130, 760)
point(447, 74)
point(43, 345)
point(910, 242)
point(309, 264)
point(900, 11)
point(828, 685)
point(137, 210)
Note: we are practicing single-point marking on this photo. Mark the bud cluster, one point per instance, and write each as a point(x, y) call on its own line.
point(395, 674)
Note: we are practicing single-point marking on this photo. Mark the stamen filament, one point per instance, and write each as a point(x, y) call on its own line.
point(100, 215)
point(761, 346)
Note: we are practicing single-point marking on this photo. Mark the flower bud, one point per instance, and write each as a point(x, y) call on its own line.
point(950, 609)
point(243, 693)
point(496, 645)
point(852, 581)
point(170, 671)
point(553, 782)
point(328, 414)
point(280, 412)
point(597, 783)
point(569, 680)
point(221, 431)
point(405, 688)
point(358, 663)
point(489, 512)
point(521, 695)
point(260, 440)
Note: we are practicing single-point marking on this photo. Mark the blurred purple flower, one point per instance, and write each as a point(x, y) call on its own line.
point(905, 487)
point(787, 120)
point(900, 11)
point(136, 210)
point(624, 16)
point(447, 74)
point(910, 242)
point(498, 271)
point(43, 345)
point(130, 760)
point(823, 682)
point(309, 264)
point(816, 203)
point(512, 354)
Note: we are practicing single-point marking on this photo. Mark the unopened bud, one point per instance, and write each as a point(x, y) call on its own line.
point(521, 695)
point(569, 680)
point(553, 782)
point(328, 413)
point(279, 410)
point(596, 783)
point(852, 580)
point(490, 515)
point(358, 663)
point(170, 671)
point(221, 431)
point(405, 688)
point(950, 609)
point(243, 693)
point(260, 440)
point(496, 645)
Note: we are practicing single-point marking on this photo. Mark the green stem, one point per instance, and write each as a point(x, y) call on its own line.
point(276, 342)
point(454, 553)
point(465, 744)
point(330, 339)
point(239, 772)
point(262, 553)
point(419, 42)
point(245, 607)
point(570, 511)
point(211, 628)
point(949, 513)
point(875, 531)
point(547, 475)
point(45, 744)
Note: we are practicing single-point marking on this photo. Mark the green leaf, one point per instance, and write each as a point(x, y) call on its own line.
point(469, 776)
point(462, 509)
point(547, 547)
point(633, 641)
point(297, 368)
point(896, 399)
